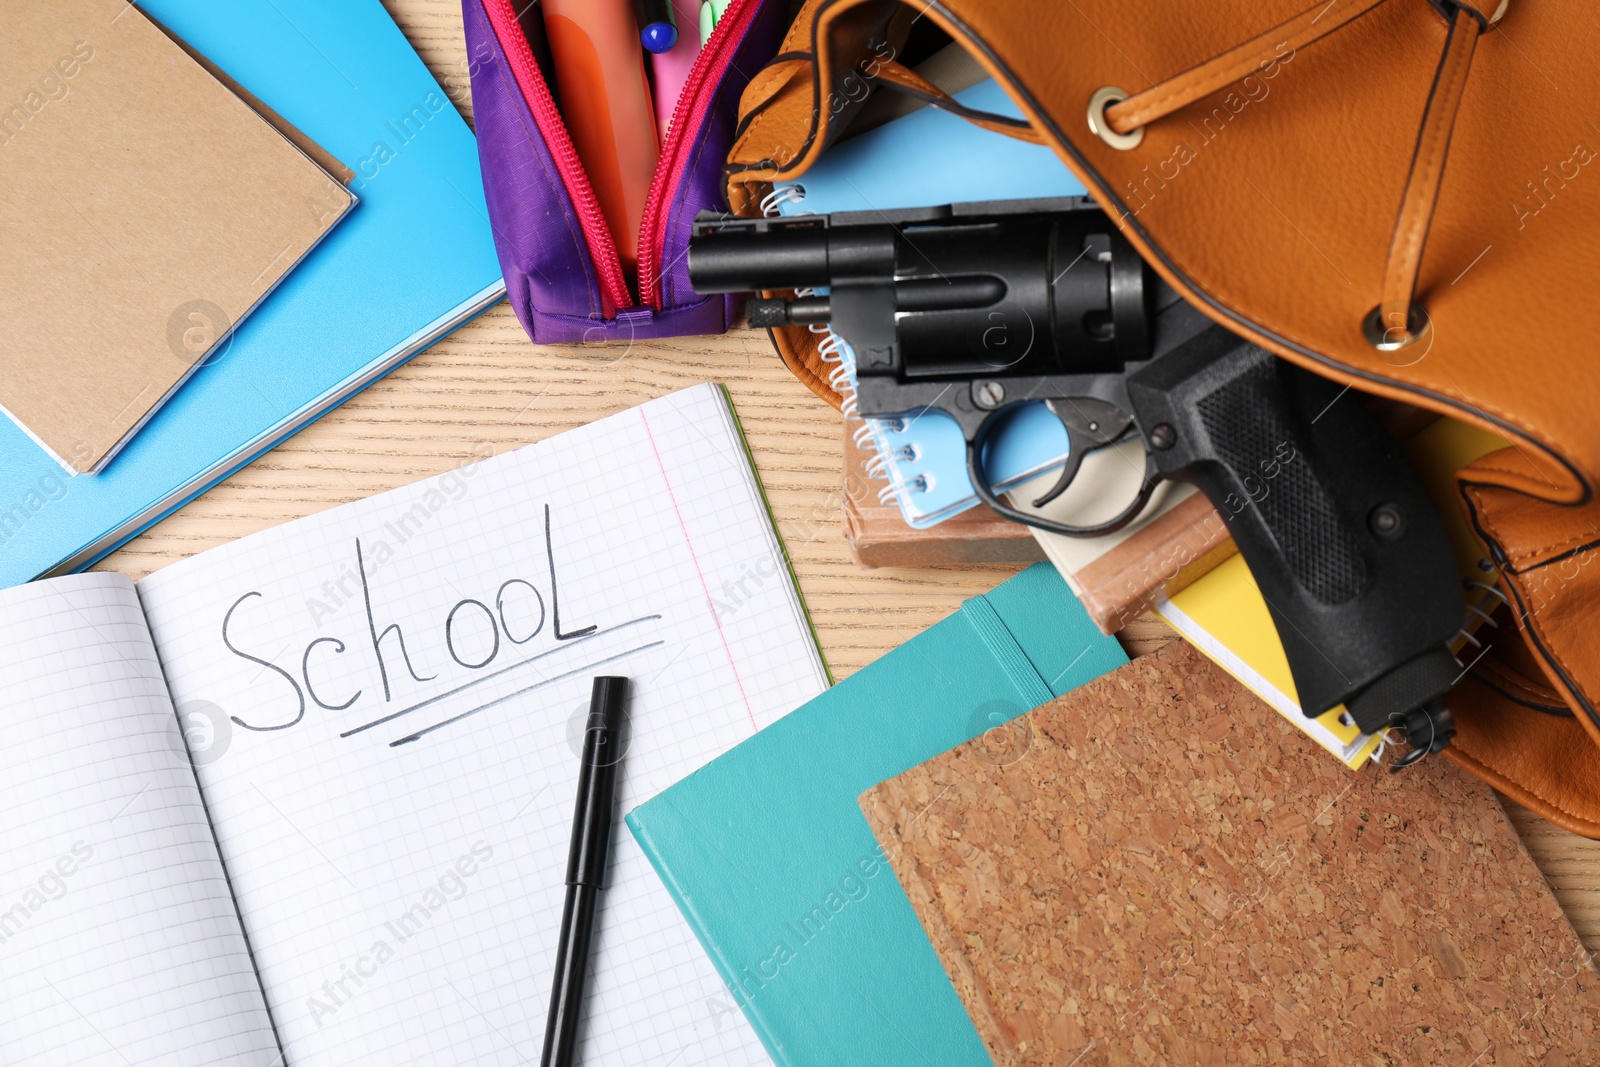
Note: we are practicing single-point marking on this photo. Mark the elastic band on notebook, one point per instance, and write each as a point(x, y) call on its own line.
point(992, 631)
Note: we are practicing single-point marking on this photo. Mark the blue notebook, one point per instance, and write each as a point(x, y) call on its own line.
point(774, 865)
point(923, 457)
point(411, 262)
point(927, 158)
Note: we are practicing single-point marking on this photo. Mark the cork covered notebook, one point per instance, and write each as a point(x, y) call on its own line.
point(1156, 868)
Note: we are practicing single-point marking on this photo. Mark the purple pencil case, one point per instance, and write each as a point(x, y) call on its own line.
point(561, 267)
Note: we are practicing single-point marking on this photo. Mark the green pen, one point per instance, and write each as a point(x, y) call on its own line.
point(710, 14)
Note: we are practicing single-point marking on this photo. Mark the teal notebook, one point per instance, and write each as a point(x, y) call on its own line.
point(776, 870)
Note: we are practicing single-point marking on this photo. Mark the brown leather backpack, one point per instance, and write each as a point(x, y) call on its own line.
point(1393, 193)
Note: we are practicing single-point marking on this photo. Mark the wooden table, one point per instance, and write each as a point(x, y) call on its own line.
point(486, 389)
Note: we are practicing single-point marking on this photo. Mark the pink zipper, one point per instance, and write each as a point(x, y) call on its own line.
point(602, 249)
point(687, 115)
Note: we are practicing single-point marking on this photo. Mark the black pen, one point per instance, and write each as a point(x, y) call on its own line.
point(586, 865)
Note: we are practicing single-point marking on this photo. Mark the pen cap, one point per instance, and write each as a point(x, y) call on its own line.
point(711, 12)
point(603, 744)
point(658, 25)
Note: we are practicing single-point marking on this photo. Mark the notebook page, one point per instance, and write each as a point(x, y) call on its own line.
point(396, 825)
point(119, 942)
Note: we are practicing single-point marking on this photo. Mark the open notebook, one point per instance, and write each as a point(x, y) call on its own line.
point(380, 708)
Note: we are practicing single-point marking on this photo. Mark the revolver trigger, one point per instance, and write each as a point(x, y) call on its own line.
point(1090, 424)
point(1069, 472)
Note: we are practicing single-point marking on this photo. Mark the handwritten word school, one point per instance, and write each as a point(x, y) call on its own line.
point(474, 635)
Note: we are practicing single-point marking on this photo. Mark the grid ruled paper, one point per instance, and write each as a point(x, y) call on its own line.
point(119, 942)
point(407, 678)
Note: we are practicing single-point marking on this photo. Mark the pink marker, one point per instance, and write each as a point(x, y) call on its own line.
point(670, 69)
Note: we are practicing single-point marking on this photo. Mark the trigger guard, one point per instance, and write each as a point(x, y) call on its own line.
point(986, 493)
point(1091, 424)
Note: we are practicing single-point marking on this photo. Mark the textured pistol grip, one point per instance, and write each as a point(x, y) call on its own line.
point(1262, 463)
point(1338, 530)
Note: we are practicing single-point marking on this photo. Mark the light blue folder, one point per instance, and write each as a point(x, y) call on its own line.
point(925, 159)
point(412, 261)
point(773, 864)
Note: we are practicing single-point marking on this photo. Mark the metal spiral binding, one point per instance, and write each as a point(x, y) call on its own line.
point(833, 350)
point(1492, 590)
point(1438, 711)
point(1465, 636)
point(787, 194)
point(1486, 617)
point(1385, 739)
point(889, 495)
point(878, 465)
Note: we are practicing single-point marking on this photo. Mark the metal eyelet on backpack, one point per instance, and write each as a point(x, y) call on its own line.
point(1103, 98)
point(1393, 338)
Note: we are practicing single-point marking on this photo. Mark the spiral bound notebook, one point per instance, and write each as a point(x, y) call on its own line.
point(924, 159)
point(922, 458)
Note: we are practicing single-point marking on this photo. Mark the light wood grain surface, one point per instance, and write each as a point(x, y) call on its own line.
point(486, 389)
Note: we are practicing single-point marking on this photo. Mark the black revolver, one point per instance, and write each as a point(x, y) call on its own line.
point(974, 309)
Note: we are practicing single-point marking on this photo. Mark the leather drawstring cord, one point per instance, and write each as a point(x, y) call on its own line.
point(902, 78)
point(1181, 90)
point(1395, 323)
point(1119, 119)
